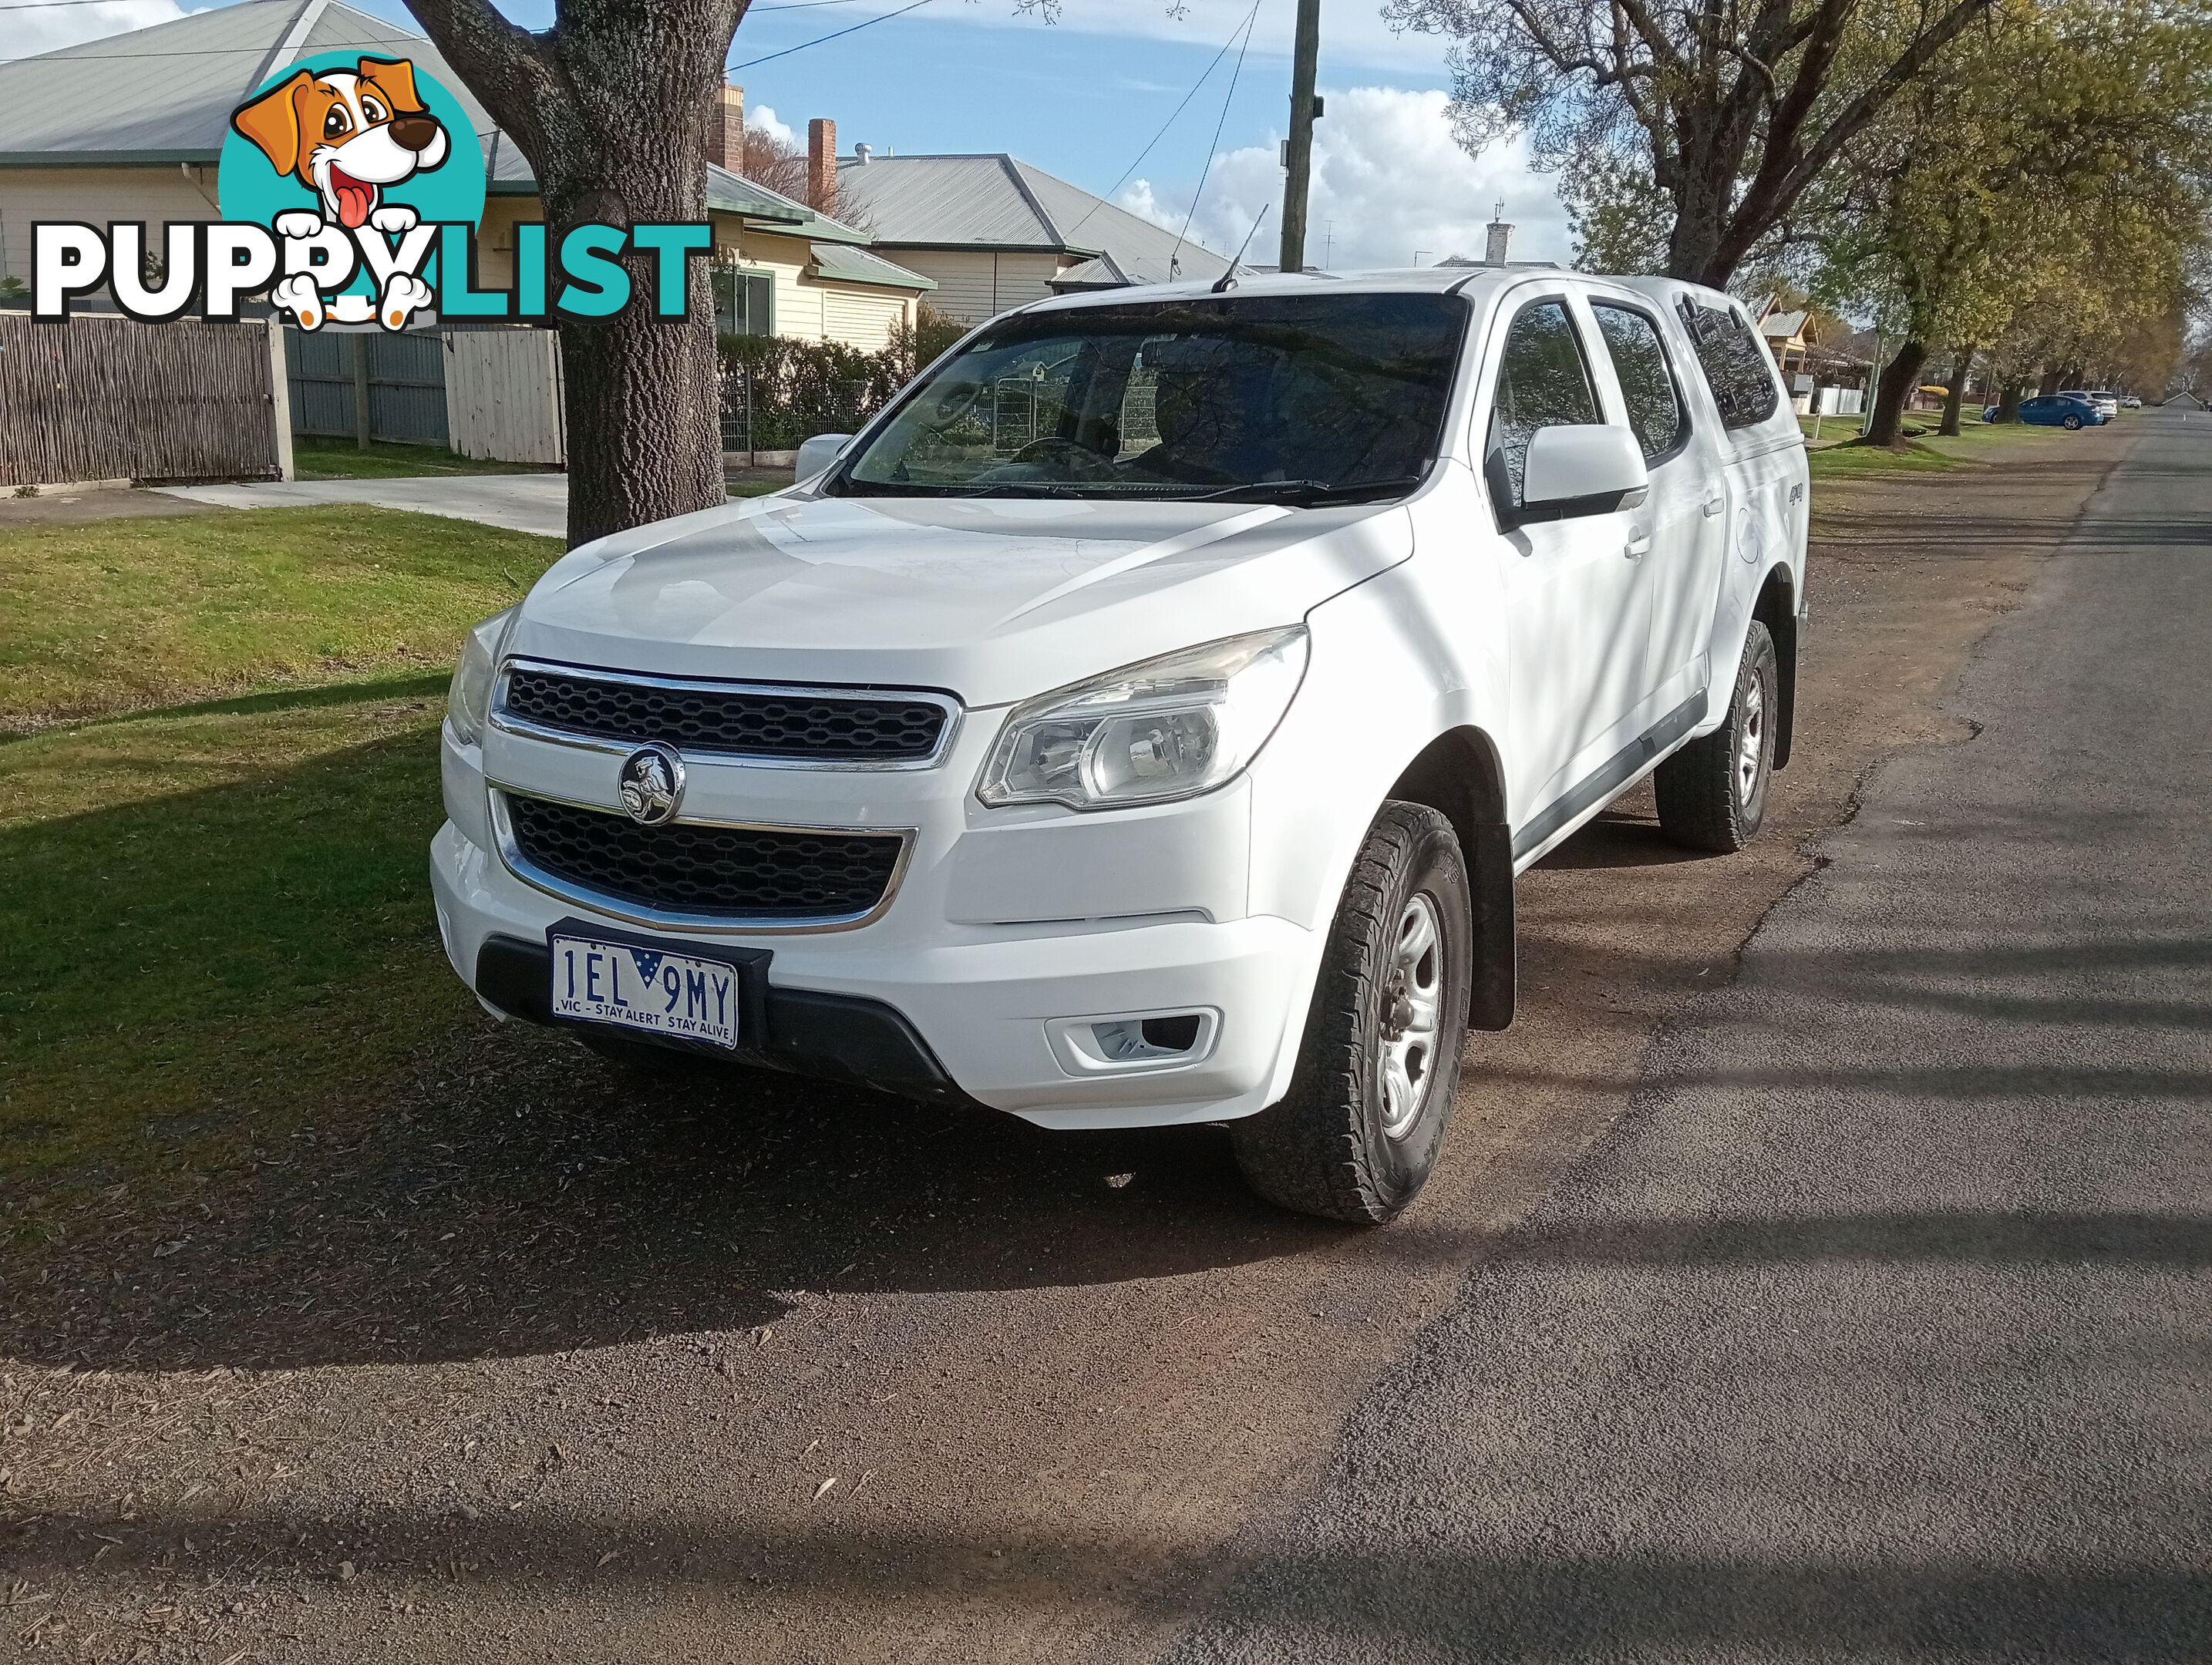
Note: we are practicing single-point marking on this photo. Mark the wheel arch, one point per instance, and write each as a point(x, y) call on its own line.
point(1460, 775)
point(1777, 609)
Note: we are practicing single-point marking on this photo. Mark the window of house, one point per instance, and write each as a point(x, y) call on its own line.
point(1647, 385)
point(745, 301)
point(1736, 366)
point(1542, 382)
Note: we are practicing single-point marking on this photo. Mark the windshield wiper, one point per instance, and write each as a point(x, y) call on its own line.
point(1308, 494)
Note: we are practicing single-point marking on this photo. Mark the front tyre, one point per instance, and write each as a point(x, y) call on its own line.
point(1358, 1133)
point(1713, 794)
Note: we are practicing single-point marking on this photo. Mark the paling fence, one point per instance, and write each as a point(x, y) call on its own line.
point(97, 397)
point(503, 395)
point(346, 381)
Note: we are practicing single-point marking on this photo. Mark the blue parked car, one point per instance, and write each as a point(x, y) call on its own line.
point(2055, 411)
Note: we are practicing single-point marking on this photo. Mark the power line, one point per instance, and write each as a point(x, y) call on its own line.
point(854, 28)
point(1212, 150)
point(1204, 77)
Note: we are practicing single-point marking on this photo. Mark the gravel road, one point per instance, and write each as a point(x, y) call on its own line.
point(501, 1361)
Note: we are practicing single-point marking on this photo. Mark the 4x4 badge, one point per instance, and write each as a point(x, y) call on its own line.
point(652, 783)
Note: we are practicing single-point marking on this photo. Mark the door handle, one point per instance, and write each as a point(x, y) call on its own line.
point(1713, 506)
point(1639, 545)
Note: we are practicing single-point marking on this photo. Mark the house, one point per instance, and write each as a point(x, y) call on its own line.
point(131, 127)
point(1787, 333)
point(996, 232)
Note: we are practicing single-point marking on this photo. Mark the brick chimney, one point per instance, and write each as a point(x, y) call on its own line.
point(822, 164)
point(725, 129)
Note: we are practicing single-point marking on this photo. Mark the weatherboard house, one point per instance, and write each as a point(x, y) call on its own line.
point(130, 128)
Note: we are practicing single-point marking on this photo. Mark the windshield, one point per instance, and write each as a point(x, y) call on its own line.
point(1302, 398)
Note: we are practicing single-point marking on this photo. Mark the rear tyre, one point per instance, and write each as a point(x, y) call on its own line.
point(2071, 421)
point(1713, 793)
point(1356, 1136)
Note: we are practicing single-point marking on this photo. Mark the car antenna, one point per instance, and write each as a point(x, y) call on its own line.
point(1228, 279)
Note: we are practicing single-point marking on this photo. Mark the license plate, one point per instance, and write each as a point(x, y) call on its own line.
point(652, 989)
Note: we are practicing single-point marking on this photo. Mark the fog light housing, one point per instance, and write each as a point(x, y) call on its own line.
point(1132, 1042)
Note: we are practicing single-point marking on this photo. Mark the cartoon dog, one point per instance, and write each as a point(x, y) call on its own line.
point(346, 136)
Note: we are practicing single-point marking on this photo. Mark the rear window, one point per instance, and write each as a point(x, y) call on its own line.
point(1736, 366)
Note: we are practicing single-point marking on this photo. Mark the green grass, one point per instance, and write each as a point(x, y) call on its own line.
point(344, 459)
point(211, 914)
point(215, 915)
point(1925, 451)
point(112, 615)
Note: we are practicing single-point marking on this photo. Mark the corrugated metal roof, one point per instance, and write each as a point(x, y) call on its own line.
point(166, 93)
point(1095, 273)
point(997, 201)
point(846, 264)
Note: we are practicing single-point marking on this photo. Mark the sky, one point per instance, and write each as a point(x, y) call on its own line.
point(1083, 97)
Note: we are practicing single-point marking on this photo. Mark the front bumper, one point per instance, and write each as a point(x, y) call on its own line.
point(1004, 931)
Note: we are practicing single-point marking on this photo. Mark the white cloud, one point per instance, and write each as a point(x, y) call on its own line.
point(761, 119)
point(1389, 182)
point(49, 28)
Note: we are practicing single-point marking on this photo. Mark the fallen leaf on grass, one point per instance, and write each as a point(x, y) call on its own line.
point(823, 1490)
point(608, 1557)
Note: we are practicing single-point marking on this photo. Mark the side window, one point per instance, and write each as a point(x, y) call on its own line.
point(1736, 366)
point(745, 301)
point(1542, 382)
point(1639, 360)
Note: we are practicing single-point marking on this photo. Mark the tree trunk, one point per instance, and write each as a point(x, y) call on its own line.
point(610, 107)
point(1701, 205)
point(1960, 370)
point(2009, 400)
point(1899, 379)
point(2048, 384)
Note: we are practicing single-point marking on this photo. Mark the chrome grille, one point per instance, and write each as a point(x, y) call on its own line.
point(780, 874)
point(800, 725)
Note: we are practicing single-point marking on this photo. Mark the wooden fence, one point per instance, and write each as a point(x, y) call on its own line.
point(395, 384)
point(503, 395)
point(93, 397)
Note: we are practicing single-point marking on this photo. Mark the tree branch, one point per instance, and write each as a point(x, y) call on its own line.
point(504, 65)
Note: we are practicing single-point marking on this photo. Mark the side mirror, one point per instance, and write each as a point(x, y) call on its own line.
point(818, 453)
point(1582, 469)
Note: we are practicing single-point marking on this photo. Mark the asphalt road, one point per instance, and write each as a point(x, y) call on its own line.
point(1878, 1328)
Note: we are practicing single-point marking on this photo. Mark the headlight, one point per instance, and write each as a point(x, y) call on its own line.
point(1170, 727)
point(468, 702)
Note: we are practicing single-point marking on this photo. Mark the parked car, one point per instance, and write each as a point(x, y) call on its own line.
point(2054, 411)
point(2132, 402)
point(1144, 720)
point(2108, 404)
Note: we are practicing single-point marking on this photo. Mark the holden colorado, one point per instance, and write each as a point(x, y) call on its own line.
point(1142, 720)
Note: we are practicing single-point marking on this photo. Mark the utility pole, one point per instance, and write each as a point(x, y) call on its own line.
point(1298, 154)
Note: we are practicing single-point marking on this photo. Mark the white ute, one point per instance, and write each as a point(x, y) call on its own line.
point(1142, 720)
